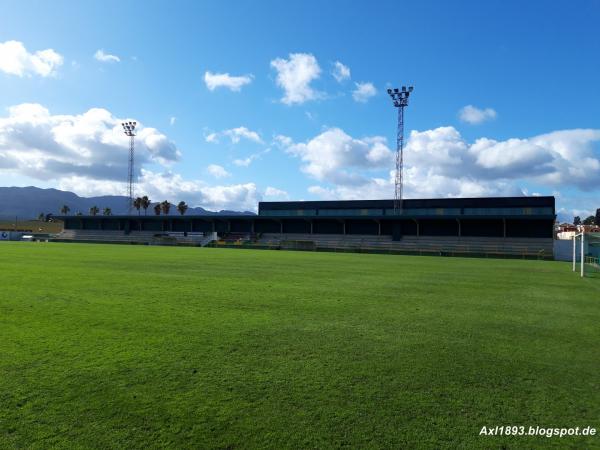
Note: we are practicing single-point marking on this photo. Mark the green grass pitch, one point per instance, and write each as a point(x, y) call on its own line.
point(114, 346)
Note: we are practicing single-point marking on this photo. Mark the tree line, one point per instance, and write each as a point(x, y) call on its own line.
point(590, 220)
point(140, 203)
point(163, 207)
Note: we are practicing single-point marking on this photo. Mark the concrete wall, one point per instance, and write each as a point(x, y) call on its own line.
point(563, 250)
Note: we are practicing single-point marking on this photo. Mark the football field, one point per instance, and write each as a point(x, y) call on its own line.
point(119, 346)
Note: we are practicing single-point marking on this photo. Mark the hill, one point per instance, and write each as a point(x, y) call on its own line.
point(29, 202)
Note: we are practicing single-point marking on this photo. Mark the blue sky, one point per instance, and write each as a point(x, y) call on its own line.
point(282, 126)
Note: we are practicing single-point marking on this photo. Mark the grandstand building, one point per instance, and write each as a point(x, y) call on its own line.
point(499, 225)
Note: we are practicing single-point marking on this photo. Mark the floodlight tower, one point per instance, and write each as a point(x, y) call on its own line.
point(400, 100)
point(129, 129)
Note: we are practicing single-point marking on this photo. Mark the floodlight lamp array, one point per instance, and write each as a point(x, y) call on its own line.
point(129, 128)
point(400, 97)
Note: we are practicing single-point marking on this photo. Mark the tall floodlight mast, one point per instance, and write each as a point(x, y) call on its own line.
point(400, 100)
point(129, 129)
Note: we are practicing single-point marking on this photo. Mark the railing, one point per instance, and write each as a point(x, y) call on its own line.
point(592, 261)
point(337, 243)
point(367, 245)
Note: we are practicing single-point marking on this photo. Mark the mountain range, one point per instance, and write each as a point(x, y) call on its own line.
point(29, 202)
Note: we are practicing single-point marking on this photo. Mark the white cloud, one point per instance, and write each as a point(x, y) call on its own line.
point(237, 196)
point(172, 120)
point(425, 183)
point(324, 193)
point(245, 162)
point(233, 83)
point(217, 171)
point(471, 114)
point(37, 144)
point(87, 154)
point(101, 56)
point(560, 158)
point(363, 92)
point(235, 135)
point(16, 60)
point(417, 184)
point(282, 141)
point(336, 157)
point(340, 72)
point(89, 187)
point(213, 138)
point(174, 188)
point(294, 76)
point(272, 192)
point(440, 163)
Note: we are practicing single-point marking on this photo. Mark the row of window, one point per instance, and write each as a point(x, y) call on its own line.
point(546, 210)
point(539, 211)
point(350, 212)
point(289, 212)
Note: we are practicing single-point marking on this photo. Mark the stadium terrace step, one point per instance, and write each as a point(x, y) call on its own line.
point(428, 244)
point(136, 237)
point(519, 247)
point(239, 237)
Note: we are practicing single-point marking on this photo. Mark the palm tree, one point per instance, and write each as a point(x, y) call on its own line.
point(107, 212)
point(165, 207)
point(157, 209)
point(41, 217)
point(137, 204)
point(182, 207)
point(65, 210)
point(146, 204)
point(94, 210)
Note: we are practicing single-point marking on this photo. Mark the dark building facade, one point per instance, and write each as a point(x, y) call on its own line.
point(530, 217)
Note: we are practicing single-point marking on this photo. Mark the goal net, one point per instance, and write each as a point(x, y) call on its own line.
point(592, 257)
point(586, 254)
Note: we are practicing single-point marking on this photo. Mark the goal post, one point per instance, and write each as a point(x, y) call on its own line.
point(574, 252)
point(581, 237)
